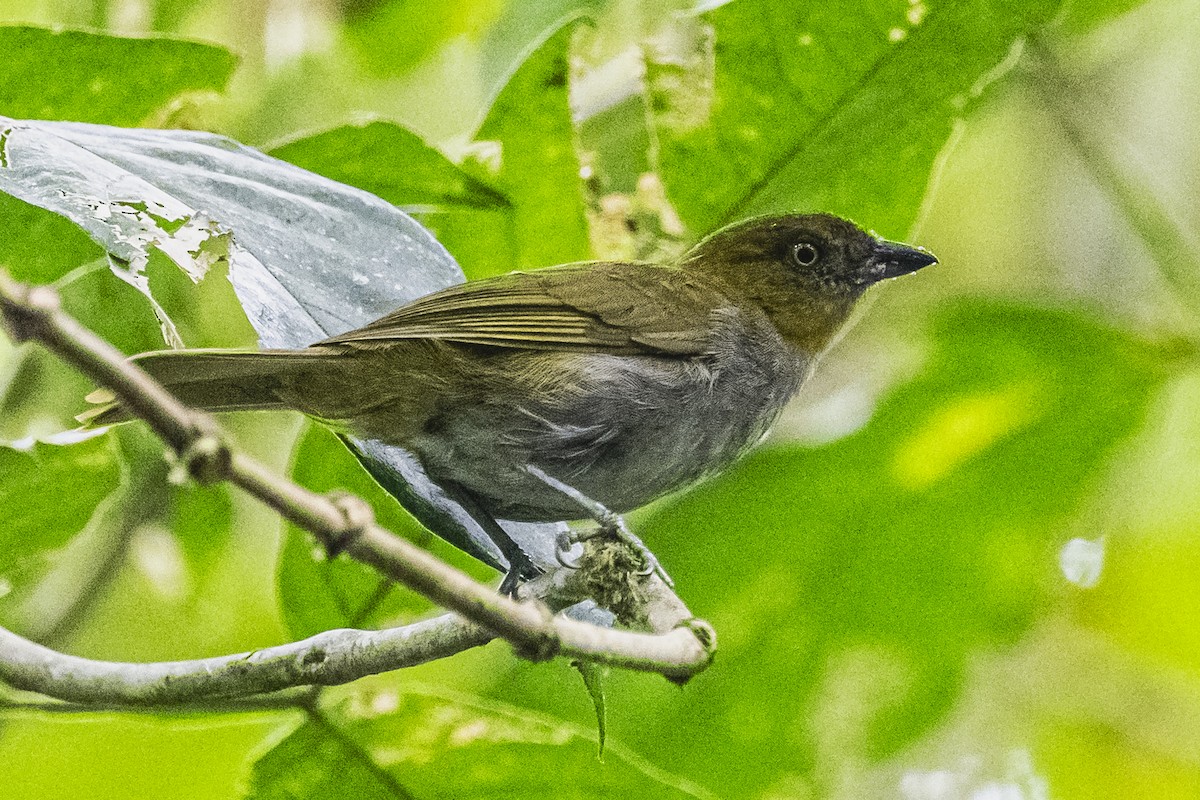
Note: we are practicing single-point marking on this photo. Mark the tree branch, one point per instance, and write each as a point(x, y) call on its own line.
point(679, 648)
point(340, 656)
point(327, 659)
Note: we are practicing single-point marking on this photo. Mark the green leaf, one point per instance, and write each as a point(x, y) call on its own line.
point(392, 162)
point(391, 745)
point(317, 760)
point(593, 680)
point(112, 309)
point(317, 593)
point(49, 492)
point(201, 309)
point(37, 246)
point(840, 107)
point(526, 149)
point(42, 394)
point(94, 78)
point(202, 521)
point(90, 77)
point(394, 37)
point(1081, 16)
point(851, 583)
point(197, 197)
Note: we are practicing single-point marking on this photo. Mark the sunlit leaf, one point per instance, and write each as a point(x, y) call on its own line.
point(48, 492)
point(770, 105)
point(92, 77)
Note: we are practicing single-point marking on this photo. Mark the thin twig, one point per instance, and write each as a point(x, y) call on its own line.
point(342, 524)
point(330, 658)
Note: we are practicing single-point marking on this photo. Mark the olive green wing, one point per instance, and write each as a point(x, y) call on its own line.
point(614, 307)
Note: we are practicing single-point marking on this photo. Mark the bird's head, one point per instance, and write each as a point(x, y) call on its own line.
point(804, 270)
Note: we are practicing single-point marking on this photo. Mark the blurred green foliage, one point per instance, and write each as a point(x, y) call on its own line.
point(442, 745)
point(886, 576)
point(926, 536)
point(84, 473)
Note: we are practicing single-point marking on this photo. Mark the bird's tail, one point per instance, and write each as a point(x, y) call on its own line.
point(214, 380)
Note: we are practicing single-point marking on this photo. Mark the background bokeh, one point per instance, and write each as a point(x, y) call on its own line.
point(964, 566)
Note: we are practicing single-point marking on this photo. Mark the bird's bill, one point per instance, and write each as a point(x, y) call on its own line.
point(892, 259)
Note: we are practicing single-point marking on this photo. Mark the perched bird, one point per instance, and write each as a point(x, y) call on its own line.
point(616, 381)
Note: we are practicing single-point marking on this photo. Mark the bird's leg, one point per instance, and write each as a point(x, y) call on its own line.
point(610, 523)
point(520, 565)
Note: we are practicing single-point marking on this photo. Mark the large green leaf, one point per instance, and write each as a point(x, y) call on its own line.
point(389, 745)
point(48, 492)
point(392, 162)
point(91, 77)
point(526, 149)
point(87, 77)
point(38, 246)
point(840, 107)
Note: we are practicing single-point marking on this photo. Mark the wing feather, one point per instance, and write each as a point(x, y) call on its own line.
point(616, 307)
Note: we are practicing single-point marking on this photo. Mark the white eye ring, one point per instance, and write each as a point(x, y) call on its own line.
point(805, 254)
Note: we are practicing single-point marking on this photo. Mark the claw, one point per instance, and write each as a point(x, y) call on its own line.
point(610, 523)
point(510, 584)
point(520, 567)
point(564, 543)
point(650, 563)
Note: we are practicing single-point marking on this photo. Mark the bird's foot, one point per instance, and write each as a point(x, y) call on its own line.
point(611, 524)
point(520, 568)
point(614, 525)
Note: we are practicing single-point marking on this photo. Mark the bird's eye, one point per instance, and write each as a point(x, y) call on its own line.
point(805, 254)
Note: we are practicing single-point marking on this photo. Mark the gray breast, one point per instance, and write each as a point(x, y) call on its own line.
point(626, 429)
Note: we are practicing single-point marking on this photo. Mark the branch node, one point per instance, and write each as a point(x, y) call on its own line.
point(357, 518)
point(25, 308)
point(547, 644)
point(706, 635)
point(42, 300)
point(205, 458)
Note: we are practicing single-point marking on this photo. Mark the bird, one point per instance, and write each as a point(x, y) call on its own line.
point(578, 390)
